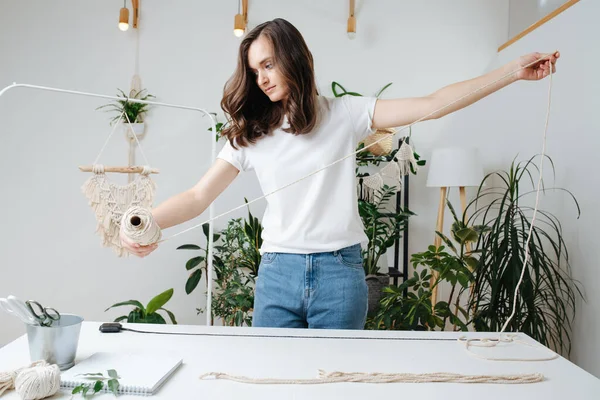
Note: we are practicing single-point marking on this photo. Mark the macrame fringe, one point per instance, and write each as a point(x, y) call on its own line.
point(395, 170)
point(110, 201)
point(406, 158)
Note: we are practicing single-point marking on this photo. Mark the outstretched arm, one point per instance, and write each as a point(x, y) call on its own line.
point(188, 204)
point(400, 112)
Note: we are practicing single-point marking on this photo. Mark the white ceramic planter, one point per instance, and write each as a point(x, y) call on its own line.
point(134, 129)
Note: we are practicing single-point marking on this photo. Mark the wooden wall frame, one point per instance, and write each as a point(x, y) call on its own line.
point(539, 23)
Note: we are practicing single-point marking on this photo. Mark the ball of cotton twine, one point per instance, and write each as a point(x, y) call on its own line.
point(138, 225)
point(36, 381)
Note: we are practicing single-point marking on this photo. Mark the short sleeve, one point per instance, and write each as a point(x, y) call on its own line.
point(361, 111)
point(235, 157)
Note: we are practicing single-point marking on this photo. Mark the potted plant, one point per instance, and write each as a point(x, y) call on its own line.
point(382, 228)
point(545, 304)
point(148, 314)
point(233, 297)
point(236, 260)
point(409, 306)
point(130, 111)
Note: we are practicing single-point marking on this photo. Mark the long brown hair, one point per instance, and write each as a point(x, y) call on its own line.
point(250, 112)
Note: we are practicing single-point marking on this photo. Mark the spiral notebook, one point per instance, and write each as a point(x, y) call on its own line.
point(140, 373)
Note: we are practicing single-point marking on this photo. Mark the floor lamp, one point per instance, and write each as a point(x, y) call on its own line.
point(452, 167)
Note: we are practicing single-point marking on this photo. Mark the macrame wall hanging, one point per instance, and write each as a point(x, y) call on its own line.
point(110, 200)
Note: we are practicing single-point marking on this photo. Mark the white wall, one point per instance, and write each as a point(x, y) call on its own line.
point(524, 13)
point(48, 248)
point(511, 123)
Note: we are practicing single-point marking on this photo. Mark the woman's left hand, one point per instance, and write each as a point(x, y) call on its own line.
point(538, 70)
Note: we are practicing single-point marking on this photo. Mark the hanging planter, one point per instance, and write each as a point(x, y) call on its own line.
point(136, 129)
point(127, 111)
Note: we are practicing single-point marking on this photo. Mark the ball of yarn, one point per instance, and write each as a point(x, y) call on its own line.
point(38, 382)
point(138, 225)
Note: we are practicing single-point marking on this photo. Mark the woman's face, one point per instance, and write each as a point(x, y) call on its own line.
point(269, 79)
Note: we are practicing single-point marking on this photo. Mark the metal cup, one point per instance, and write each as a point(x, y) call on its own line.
point(56, 344)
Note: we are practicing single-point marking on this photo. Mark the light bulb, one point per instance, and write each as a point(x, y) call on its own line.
point(124, 19)
point(239, 25)
point(351, 27)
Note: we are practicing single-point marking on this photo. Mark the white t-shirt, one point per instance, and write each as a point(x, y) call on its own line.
point(319, 213)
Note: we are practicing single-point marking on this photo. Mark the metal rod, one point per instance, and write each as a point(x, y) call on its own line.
point(213, 154)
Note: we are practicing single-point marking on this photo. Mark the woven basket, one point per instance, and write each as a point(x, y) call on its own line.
point(385, 146)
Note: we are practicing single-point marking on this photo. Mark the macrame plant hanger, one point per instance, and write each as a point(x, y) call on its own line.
point(136, 87)
point(110, 201)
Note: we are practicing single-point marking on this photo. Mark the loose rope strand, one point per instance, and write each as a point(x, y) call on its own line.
point(357, 151)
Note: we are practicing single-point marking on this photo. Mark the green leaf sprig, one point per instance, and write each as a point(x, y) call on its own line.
point(98, 379)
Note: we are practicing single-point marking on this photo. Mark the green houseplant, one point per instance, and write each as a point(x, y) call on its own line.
point(236, 260)
point(148, 314)
point(233, 297)
point(135, 111)
point(409, 306)
point(132, 113)
point(546, 299)
point(382, 229)
point(197, 265)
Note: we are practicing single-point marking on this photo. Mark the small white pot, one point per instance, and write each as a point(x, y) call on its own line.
point(136, 129)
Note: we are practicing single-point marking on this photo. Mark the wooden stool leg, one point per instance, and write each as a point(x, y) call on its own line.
point(438, 240)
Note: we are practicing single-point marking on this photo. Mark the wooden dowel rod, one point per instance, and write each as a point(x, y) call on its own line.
point(124, 170)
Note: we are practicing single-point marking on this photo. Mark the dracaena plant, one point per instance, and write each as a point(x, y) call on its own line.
point(148, 314)
point(546, 299)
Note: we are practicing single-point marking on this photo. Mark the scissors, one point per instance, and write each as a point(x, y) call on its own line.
point(43, 317)
point(14, 306)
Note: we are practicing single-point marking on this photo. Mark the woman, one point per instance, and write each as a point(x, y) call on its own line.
point(311, 272)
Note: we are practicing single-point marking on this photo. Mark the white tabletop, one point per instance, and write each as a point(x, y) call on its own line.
point(255, 352)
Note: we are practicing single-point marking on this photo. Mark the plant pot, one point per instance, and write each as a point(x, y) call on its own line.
point(136, 129)
point(375, 284)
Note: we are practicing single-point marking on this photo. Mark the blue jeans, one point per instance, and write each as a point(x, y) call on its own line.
point(319, 291)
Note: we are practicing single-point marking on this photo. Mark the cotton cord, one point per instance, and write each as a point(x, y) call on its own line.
point(362, 377)
point(506, 339)
point(36, 381)
point(138, 225)
point(491, 342)
point(359, 150)
point(402, 377)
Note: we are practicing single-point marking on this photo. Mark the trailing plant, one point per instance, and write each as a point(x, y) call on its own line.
point(99, 380)
point(148, 314)
point(135, 111)
point(546, 299)
point(409, 305)
point(382, 227)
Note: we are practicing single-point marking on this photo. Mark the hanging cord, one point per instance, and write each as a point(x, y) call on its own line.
point(506, 339)
point(357, 151)
point(113, 131)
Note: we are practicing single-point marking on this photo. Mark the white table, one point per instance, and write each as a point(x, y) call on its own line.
point(235, 351)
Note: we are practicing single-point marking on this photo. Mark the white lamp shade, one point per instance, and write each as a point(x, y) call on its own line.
point(455, 167)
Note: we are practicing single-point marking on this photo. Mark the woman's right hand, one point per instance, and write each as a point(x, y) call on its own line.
point(135, 248)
